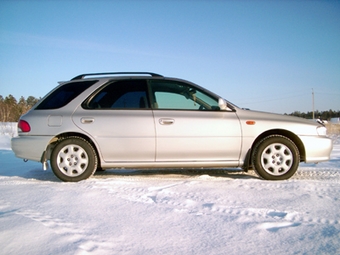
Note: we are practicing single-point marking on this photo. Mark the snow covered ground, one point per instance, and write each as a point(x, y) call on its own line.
point(175, 212)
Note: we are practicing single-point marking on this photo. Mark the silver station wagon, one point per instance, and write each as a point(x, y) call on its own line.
point(144, 120)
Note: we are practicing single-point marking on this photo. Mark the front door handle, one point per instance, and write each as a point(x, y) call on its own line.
point(166, 121)
point(87, 120)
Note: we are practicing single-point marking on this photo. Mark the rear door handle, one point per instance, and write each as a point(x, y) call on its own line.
point(166, 121)
point(87, 120)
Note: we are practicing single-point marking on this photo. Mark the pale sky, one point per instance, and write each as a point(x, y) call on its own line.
point(262, 55)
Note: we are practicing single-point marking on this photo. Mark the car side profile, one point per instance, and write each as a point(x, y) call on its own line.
point(144, 120)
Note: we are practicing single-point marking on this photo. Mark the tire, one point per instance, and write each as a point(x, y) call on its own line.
point(73, 159)
point(276, 158)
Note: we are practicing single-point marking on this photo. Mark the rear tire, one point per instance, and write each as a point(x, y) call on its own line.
point(73, 159)
point(276, 158)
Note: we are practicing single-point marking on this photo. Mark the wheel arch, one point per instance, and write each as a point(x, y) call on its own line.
point(290, 135)
point(61, 136)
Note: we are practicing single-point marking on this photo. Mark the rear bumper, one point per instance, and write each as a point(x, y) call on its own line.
point(317, 148)
point(30, 147)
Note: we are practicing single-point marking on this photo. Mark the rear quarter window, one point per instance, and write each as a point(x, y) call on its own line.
point(64, 94)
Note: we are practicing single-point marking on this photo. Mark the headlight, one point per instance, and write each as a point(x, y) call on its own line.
point(321, 131)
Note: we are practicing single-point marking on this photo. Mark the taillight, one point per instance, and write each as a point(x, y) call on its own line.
point(24, 126)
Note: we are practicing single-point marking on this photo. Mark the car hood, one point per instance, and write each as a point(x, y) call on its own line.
point(259, 115)
point(267, 120)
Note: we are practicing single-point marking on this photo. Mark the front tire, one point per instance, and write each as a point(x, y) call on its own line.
point(73, 159)
point(276, 158)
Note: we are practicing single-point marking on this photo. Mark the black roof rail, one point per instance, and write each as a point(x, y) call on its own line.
point(81, 76)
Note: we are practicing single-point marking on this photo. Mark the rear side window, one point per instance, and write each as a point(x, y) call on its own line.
point(64, 94)
point(126, 94)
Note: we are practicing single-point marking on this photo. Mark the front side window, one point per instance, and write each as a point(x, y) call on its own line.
point(180, 96)
point(127, 94)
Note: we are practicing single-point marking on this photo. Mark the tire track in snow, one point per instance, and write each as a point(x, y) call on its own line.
point(205, 204)
point(319, 174)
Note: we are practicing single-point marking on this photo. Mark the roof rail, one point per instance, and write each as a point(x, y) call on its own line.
point(81, 76)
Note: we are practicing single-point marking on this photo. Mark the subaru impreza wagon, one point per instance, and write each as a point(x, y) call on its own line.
point(144, 120)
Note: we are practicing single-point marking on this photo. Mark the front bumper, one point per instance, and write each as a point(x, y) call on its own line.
point(30, 147)
point(318, 148)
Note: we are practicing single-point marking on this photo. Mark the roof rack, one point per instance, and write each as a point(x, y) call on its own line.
point(81, 76)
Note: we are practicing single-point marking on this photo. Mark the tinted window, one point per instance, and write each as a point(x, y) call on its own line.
point(64, 94)
point(181, 96)
point(127, 94)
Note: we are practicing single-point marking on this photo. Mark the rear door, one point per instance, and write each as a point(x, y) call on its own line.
point(119, 119)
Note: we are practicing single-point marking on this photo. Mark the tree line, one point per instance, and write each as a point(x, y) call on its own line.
point(11, 109)
point(324, 115)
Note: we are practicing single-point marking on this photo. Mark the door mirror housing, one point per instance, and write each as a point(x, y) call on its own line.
point(222, 104)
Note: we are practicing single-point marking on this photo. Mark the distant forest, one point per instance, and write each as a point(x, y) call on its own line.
point(11, 109)
point(324, 115)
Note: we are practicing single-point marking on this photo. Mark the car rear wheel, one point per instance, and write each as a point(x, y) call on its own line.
point(276, 158)
point(73, 159)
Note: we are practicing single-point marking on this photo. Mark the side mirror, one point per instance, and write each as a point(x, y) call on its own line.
point(222, 104)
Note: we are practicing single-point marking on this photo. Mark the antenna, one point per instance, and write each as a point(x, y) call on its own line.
point(313, 102)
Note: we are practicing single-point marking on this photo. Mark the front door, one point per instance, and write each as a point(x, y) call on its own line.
point(191, 127)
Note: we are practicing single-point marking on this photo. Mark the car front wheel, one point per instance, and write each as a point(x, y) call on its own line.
point(276, 158)
point(73, 159)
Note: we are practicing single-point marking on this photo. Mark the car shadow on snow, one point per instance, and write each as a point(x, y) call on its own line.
point(34, 174)
point(15, 167)
point(180, 173)
point(40, 175)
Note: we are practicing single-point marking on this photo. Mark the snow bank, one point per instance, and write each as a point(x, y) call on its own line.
point(7, 131)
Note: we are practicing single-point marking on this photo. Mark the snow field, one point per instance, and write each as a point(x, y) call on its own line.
point(169, 212)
